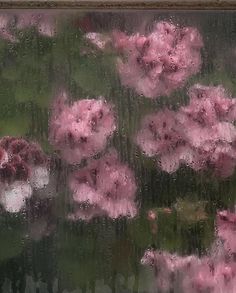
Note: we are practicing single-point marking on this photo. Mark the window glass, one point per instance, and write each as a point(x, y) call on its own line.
point(117, 151)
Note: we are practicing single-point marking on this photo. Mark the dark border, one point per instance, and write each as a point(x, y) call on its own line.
point(122, 4)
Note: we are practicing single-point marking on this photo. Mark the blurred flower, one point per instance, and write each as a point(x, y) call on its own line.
point(99, 40)
point(151, 215)
point(208, 128)
point(12, 196)
point(23, 166)
point(191, 273)
point(211, 277)
point(104, 186)
point(200, 135)
point(85, 23)
point(158, 133)
point(214, 273)
point(200, 278)
point(152, 218)
point(86, 213)
point(45, 23)
point(167, 267)
point(167, 210)
point(81, 130)
point(161, 135)
point(226, 229)
point(39, 228)
point(190, 211)
point(160, 62)
point(6, 24)
point(39, 177)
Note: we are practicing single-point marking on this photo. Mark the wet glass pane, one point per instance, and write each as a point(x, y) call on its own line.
point(117, 151)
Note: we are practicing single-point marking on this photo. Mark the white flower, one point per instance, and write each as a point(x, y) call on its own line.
point(3, 157)
point(13, 196)
point(98, 40)
point(39, 177)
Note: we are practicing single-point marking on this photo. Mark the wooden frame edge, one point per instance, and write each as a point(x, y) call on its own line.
point(123, 4)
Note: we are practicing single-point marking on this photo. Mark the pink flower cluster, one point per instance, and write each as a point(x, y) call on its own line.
point(226, 230)
point(23, 166)
point(200, 135)
point(81, 130)
point(104, 187)
point(160, 62)
point(215, 273)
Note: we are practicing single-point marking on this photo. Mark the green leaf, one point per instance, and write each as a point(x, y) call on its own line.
point(15, 126)
point(94, 75)
point(140, 233)
point(11, 243)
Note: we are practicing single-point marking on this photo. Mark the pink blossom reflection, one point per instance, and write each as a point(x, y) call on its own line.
point(104, 187)
point(23, 166)
point(200, 135)
point(160, 62)
point(81, 130)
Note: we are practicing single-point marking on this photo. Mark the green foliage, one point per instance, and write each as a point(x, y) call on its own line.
point(87, 253)
point(12, 242)
point(190, 211)
point(15, 126)
point(139, 233)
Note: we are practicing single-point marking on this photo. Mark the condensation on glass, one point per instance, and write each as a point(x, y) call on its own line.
point(117, 151)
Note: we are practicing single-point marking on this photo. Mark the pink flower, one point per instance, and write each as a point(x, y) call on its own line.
point(200, 279)
point(86, 213)
point(208, 104)
point(158, 133)
point(151, 215)
point(191, 273)
point(168, 268)
point(149, 258)
point(211, 277)
point(100, 41)
point(226, 229)
point(23, 166)
point(6, 23)
point(214, 273)
point(225, 276)
point(104, 186)
point(19, 158)
point(181, 155)
point(207, 115)
point(167, 210)
point(160, 62)
point(81, 130)
point(163, 265)
point(200, 135)
point(13, 196)
point(161, 135)
point(209, 127)
point(45, 23)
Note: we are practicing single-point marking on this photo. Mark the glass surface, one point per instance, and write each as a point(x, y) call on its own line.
point(117, 151)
